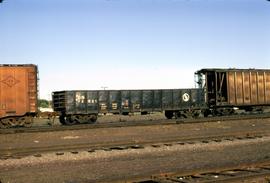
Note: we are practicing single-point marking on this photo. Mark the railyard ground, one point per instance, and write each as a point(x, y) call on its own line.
point(120, 166)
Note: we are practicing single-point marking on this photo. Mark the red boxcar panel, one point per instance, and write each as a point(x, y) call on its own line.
point(18, 90)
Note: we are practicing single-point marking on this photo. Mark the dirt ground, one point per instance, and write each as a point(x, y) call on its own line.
point(120, 166)
point(108, 166)
point(134, 134)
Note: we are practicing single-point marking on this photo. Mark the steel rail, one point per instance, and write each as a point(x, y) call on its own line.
point(243, 173)
point(121, 145)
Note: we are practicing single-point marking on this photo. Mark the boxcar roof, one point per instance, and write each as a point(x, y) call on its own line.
point(17, 65)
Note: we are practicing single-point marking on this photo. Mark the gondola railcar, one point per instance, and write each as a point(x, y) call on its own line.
point(84, 106)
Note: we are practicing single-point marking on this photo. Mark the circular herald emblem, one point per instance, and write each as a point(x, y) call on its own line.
point(185, 97)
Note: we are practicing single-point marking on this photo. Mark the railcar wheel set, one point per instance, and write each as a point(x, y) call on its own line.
point(218, 92)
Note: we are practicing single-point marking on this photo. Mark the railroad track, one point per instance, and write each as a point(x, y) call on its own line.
point(52, 128)
point(248, 173)
point(77, 148)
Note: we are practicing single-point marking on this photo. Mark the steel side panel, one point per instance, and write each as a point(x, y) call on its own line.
point(246, 88)
point(167, 99)
point(125, 100)
point(267, 87)
point(70, 102)
point(95, 101)
point(114, 101)
point(22, 102)
point(176, 98)
point(92, 100)
point(103, 101)
point(148, 100)
point(18, 90)
point(157, 103)
point(239, 88)
point(261, 88)
point(135, 100)
point(253, 85)
point(231, 88)
point(80, 98)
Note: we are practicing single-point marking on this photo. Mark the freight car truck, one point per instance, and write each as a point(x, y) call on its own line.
point(18, 95)
point(84, 106)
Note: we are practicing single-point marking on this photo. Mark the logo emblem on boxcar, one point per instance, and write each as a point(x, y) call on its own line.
point(185, 97)
point(10, 81)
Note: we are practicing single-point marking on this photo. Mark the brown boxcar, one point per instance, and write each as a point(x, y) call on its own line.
point(236, 87)
point(18, 94)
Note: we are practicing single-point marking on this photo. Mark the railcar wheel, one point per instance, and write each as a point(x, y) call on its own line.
point(206, 113)
point(125, 113)
point(177, 114)
point(228, 112)
point(144, 113)
point(21, 121)
point(196, 114)
point(93, 118)
point(62, 119)
point(185, 116)
point(28, 121)
point(169, 114)
point(8, 122)
point(70, 120)
point(4, 124)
